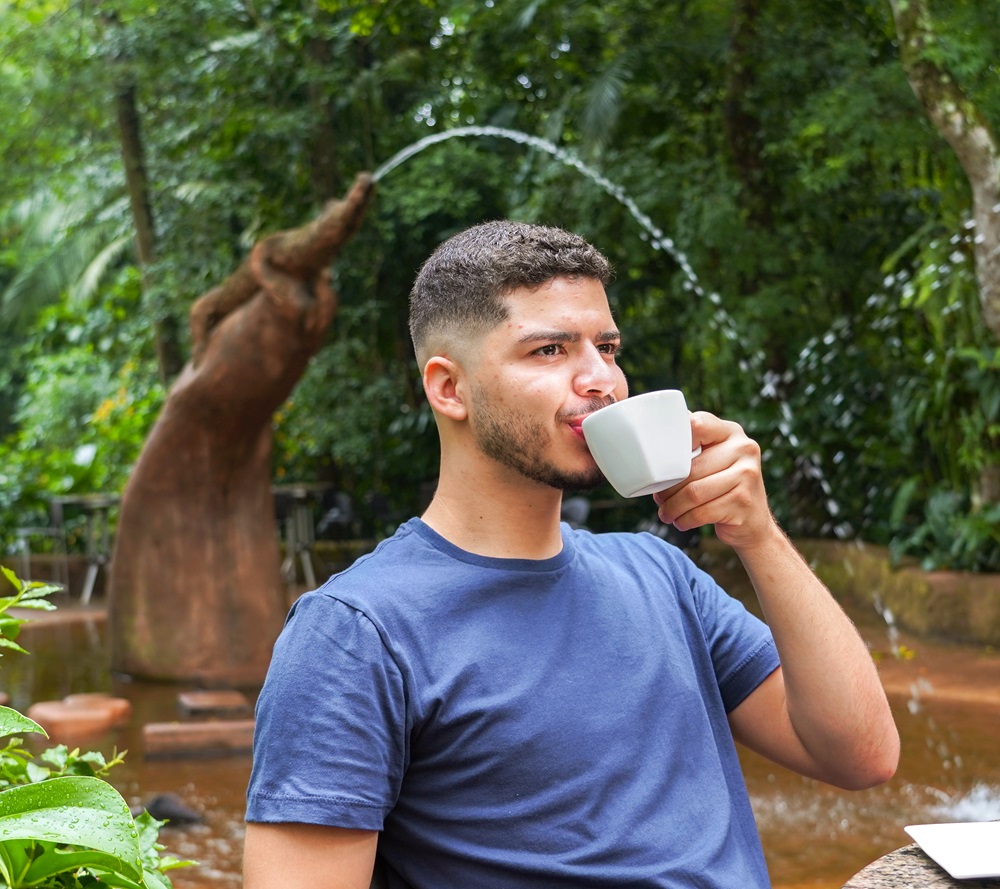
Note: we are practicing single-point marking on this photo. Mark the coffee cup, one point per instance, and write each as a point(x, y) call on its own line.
point(642, 444)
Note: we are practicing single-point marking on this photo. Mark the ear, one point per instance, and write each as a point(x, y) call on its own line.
point(442, 386)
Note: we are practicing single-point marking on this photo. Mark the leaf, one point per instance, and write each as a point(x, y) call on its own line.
point(77, 811)
point(53, 860)
point(12, 577)
point(37, 604)
point(35, 589)
point(11, 644)
point(36, 772)
point(13, 723)
point(12, 861)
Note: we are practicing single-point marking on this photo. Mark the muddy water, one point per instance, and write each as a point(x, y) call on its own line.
point(946, 700)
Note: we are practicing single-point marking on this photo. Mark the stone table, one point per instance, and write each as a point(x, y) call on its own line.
point(911, 868)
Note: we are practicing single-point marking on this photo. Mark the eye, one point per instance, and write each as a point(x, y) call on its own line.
point(612, 349)
point(549, 351)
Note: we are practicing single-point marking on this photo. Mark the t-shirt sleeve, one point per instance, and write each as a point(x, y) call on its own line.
point(742, 648)
point(329, 742)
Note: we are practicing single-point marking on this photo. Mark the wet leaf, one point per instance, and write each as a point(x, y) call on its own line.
point(77, 811)
point(13, 723)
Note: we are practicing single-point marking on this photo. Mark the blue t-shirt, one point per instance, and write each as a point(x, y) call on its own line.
point(519, 724)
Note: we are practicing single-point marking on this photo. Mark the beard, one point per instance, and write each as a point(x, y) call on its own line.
point(518, 443)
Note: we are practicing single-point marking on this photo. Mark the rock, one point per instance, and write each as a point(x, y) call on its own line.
point(169, 807)
point(80, 716)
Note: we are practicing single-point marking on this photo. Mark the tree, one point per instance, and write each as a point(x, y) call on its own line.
point(133, 153)
point(969, 133)
point(966, 128)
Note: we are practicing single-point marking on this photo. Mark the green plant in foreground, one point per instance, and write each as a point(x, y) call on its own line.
point(62, 825)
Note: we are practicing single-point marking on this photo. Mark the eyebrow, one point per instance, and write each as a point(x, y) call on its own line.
point(565, 336)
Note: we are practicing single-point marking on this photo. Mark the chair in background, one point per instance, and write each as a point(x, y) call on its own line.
point(53, 539)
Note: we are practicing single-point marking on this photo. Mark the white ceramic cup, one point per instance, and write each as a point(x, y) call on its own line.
point(642, 444)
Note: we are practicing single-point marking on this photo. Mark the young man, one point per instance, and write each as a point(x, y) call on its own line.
point(501, 701)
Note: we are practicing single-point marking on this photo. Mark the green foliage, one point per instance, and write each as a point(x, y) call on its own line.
point(778, 145)
point(946, 409)
point(87, 395)
point(62, 825)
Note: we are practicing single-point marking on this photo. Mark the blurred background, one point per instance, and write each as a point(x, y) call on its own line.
point(815, 278)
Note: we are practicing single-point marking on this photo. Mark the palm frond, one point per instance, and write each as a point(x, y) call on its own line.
point(87, 283)
point(604, 102)
point(57, 242)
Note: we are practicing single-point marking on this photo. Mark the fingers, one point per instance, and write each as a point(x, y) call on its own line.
point(725, 487)
point(708, 430)
point(727, 497)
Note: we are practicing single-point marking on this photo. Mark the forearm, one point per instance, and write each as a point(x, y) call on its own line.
point(824, 713)
point(833, 696)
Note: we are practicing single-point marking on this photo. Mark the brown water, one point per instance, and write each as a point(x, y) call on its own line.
point(946, 700)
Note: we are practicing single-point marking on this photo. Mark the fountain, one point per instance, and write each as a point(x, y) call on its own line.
point(659, 241)
point(812, 834)
point(753, 364)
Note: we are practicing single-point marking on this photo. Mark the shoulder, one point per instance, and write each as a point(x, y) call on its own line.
point(634, 547)
point(381, 573)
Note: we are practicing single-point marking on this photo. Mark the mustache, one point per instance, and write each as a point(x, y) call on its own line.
point(593, 404)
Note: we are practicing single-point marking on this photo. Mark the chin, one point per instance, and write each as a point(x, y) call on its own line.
point(582, 482)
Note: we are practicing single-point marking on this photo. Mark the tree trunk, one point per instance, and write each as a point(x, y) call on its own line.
point(742, 125)
point(133, 154)
point(195, 588)
point(134, 161)
point(970, 136)
point(324, 174)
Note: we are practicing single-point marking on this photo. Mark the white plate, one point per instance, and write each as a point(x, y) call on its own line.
point(965, 850)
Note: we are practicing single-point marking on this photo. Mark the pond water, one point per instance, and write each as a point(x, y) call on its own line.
point(946, 700)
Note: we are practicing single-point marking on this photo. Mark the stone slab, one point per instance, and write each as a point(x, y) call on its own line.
point(81, 716)
point(213, 701)
point(201, 737)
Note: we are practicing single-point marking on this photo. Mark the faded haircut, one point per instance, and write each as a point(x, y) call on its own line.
point(460, 290)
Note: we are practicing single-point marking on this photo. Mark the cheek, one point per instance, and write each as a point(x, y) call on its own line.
point(621, 387)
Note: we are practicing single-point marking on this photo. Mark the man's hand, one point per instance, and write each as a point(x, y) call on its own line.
point(725, 487)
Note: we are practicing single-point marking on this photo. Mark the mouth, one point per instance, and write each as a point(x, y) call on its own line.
point(575, 422)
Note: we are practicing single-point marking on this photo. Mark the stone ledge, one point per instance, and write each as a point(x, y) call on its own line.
point(958, 606)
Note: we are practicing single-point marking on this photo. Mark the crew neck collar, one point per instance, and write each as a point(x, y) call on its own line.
point(446, 547)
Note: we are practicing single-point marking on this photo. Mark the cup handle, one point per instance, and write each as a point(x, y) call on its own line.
point(696, 452)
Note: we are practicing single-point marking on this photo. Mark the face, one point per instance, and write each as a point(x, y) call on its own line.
point(538, 374)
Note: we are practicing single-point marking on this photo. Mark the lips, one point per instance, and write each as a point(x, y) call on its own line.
point(576, 422)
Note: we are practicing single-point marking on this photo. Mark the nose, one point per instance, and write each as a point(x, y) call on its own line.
point(598, 374)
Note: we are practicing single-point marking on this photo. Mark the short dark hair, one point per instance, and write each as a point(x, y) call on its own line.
point(463, 283)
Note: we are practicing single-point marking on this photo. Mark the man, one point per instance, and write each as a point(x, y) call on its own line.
point(513, 703)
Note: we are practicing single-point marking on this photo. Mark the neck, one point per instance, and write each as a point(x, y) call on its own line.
point(497, 516)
